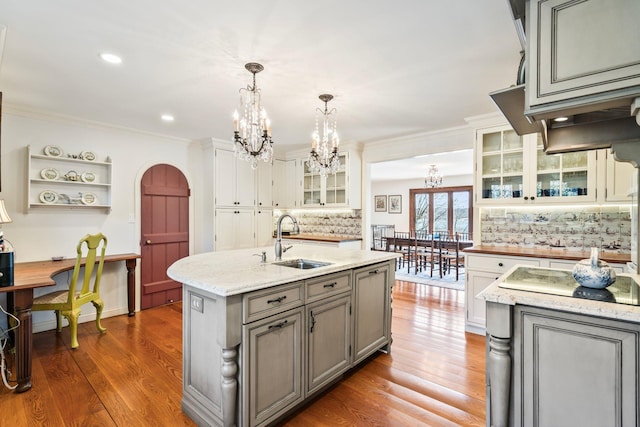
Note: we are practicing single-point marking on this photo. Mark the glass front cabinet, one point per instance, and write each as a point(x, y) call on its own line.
point(513, 169)
point(330, 190)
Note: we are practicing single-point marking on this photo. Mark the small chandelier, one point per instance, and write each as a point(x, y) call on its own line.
point(322, 159)
point(433, 179)
point(252, 133)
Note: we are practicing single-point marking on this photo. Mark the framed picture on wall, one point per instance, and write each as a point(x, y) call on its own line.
point(395, 204)
point(381, 203)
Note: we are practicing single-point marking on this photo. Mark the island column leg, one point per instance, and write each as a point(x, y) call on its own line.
point(500, 378)
point(229, 385)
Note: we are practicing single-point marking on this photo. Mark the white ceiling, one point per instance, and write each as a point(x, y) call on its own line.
point(452, 163)
point(395, 68)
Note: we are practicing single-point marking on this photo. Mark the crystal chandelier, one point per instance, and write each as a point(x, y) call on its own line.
point(324, 159)
point(252, 133)
point(433, 179)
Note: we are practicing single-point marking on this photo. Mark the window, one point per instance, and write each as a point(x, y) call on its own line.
point(447, 209)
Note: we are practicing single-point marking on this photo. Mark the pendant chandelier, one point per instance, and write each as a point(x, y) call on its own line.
point(252, 132)
point(433, 179)
point(324, 158)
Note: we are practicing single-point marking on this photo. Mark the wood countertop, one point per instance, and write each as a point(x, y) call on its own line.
point(337, 238)
point(555, 253)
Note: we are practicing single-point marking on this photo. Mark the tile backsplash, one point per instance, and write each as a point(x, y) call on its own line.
point(344, 223)
point(575, 228)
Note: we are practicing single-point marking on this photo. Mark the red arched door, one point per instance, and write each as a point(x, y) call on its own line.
point(164, 232)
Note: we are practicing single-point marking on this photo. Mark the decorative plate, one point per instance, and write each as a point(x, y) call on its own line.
point(89, 198)
point(88, 177)
point(88, 155)
point(53, 150)
point(48, 197)
point(49, 174)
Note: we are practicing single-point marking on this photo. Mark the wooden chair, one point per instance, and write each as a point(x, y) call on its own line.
point(406, 244)
point(452, 256)
point(67, 303)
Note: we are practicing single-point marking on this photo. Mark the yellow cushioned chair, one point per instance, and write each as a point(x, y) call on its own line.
point(67, 303)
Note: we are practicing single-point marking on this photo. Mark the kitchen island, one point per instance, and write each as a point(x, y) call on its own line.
point(560, 354)
point(260, 338)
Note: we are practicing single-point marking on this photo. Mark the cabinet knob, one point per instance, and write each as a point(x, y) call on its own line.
point(526, 197)
point(532, 197)
point(500, 264)
point(148, 242)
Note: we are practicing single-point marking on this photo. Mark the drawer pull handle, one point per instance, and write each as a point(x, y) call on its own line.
point(278, 300)
point(376, 271)
point(330, 285)
point(500, 264)
point(279, 325)
point(313, 322)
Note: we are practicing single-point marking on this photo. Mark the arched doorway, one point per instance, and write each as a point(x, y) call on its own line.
point(164, 212)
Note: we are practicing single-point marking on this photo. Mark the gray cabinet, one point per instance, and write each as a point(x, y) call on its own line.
point(275, 350)
point(372, 315)
point(574, 370)
point(328, 341)
point(582, 56)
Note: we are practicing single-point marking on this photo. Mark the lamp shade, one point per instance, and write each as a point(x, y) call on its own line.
point(4, 215)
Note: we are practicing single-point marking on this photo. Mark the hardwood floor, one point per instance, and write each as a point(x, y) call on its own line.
point(131, 376)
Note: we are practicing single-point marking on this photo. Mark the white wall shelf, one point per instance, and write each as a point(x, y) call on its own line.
point(73, 183)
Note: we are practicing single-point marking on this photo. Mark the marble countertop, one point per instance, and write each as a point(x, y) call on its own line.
point(554, 253)
point(234, 272)
point(495, 293)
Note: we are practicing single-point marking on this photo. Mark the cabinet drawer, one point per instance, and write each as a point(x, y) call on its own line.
point(498, 264)
point(325, 286)
point(266, 302)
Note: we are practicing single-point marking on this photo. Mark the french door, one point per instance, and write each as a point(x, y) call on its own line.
point(444, 209)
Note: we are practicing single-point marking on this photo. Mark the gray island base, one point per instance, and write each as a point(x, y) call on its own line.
point(560, 360)
point(259, 339)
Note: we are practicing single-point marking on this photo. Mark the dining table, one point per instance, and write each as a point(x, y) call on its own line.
point(405, 240)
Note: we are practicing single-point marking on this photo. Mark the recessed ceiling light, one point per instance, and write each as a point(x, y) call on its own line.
point(110, 58)
point(167, 117)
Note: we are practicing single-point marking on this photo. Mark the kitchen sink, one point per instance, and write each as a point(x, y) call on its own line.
point(303, 264)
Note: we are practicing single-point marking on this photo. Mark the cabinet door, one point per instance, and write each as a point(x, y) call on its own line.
point(336, 186)
point(312, 192)
point(265, 185)
point(279, 183)
point(244, 228)
point(245, 183)
point(563, 178)
point(264, 227)
point(275, 375)
point(500, 166)
point(225, 178)
point(573, 370)
point(372, 314)
point(328, 341)
point(620, 178)
point(293, 183)
point(581, 53)
point(476, 311)
point(234, 229)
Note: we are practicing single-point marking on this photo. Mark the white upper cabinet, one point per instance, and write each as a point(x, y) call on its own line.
point(513, 169)
point(341, 189)
point(235, 181)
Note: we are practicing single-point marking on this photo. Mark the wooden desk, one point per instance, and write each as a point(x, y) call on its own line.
point(30, 275)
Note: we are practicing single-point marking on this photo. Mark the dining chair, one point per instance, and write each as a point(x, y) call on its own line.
point(452, 256)
point(68, 302)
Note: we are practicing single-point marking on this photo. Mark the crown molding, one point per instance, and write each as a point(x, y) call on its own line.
point(33, 113)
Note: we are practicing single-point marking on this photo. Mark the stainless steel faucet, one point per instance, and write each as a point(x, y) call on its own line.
point(296, 229)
